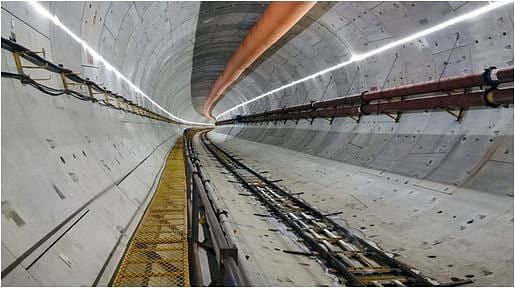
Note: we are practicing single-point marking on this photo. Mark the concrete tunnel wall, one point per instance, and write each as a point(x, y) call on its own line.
point(63, 157)
point(433, 186)
point(465, 167)
point(332, 32)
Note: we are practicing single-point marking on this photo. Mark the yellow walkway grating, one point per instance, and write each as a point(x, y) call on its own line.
point(158, 252)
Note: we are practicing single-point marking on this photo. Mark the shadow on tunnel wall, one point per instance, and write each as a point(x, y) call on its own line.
point(311, 17)
point(221, 28)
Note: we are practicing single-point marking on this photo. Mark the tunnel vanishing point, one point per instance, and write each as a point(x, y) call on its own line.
point(257, 143)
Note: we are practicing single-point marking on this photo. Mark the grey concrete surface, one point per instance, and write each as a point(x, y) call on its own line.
point(442, 230)
point(261, 240)
point(430, 186)
point(352, 27)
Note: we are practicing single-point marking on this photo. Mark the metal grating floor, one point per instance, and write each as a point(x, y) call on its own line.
point(157, 254)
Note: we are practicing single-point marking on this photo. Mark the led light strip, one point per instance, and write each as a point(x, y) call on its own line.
point(359, 57)
point(106, 64)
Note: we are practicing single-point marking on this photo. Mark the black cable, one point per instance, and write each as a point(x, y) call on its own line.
point(45, 91)
point(43, 88)
point(36, 59)
point(11, 75)
point(58, 92)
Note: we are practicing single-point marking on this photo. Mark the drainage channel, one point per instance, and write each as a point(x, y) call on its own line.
point(352, 259)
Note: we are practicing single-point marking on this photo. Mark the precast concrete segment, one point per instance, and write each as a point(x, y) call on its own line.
point(60, 156)
point(350, 28)
point(277, 20)
point(119, 31)
point(157, 254)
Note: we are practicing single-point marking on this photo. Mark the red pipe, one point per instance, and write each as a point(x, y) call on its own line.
point(277, 19)
point(504, 96)
point(445, 84)
point(465, 100)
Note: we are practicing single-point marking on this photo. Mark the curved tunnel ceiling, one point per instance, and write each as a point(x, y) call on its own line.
point(221, 28)
point(174, 51)
point(358, 27)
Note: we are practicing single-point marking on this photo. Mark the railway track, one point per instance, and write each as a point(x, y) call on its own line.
point(349, 257)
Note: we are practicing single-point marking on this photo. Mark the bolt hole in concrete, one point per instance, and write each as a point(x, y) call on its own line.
point(10, 213)
point(51, 143)
point(470, 276)
point(62, 160)
point(439, 212)
point(470, 221)
point(431, 256)
point(59, 193)
point(84, 153)
point(74, 177)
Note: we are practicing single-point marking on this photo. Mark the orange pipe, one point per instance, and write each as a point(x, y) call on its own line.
point(277, 19)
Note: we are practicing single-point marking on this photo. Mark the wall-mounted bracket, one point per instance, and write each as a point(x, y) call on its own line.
point(357, 119)
point(118, 103)
point(396, 117)
point(92, 94)
point(20, 66)
point(330, 120)
point(66, 84)
point(456, 113)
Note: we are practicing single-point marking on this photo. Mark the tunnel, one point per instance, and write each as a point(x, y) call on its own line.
point(352, 143)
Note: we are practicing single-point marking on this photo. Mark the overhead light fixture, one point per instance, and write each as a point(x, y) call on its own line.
point(43, 11)
point(359, 57)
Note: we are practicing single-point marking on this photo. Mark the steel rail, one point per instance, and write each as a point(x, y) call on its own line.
point(351, 257)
